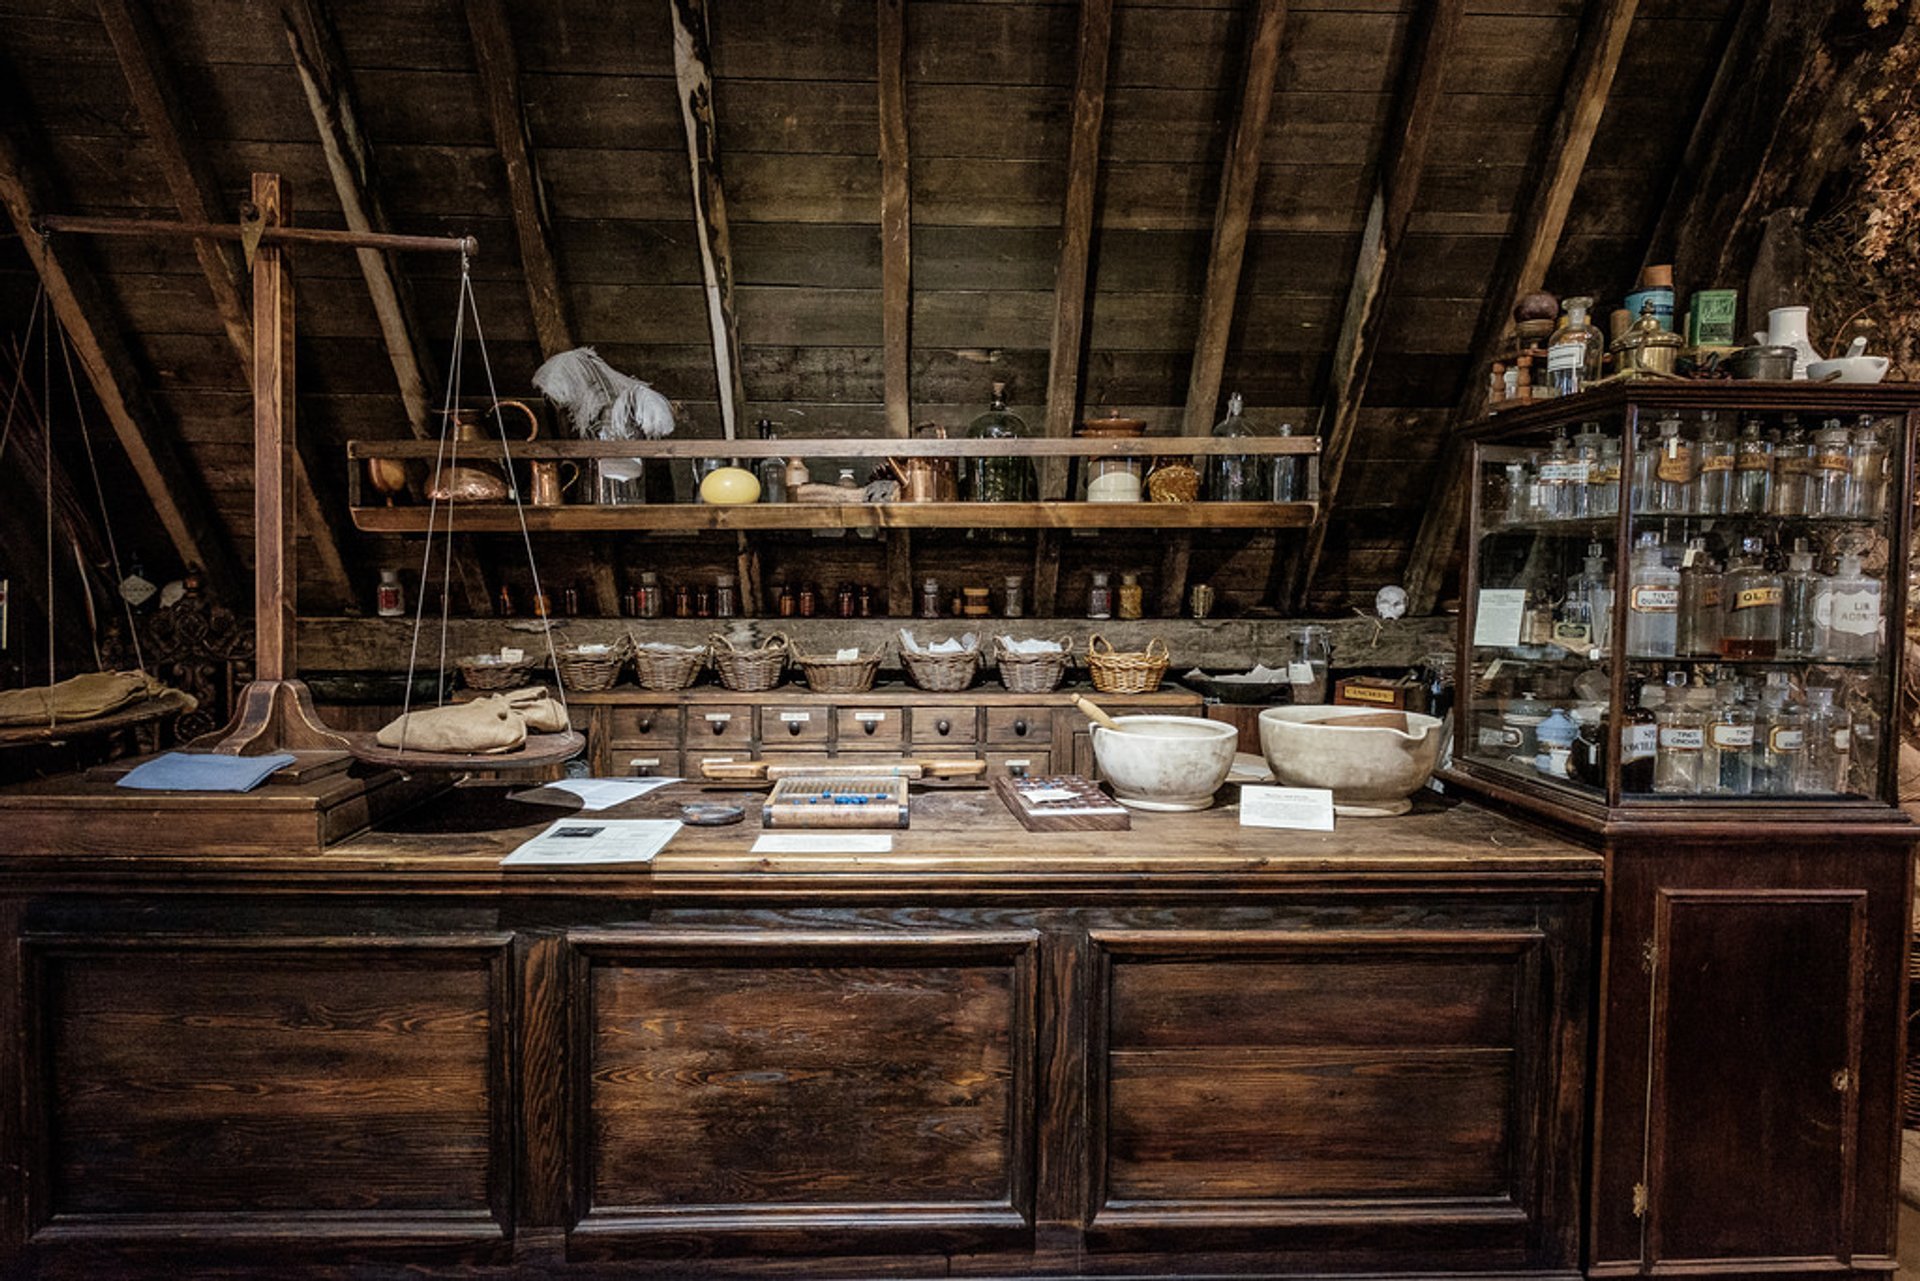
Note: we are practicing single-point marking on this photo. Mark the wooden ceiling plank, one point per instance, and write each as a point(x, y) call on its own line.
point(1076, 228)
point(896, 219)
point(693, 72)
point(171, 139)
point(1389, 214)
point(1233, 213)
point(494, 52)
point(179, 498)
point(1553, 179)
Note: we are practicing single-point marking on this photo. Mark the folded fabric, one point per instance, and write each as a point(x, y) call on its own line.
point(484, 726)
point(1032, 645)
point(542, 713)
point(78, 698)
point(203, 772)
point(951, 645)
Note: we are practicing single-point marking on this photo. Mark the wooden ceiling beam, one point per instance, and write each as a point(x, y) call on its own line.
point(1396, 190)
point(896, 219)
point(693, 72)
point(170, 139)
point(1233, 215)
point(1553, 178)
point(178, 496)
point(496, 55)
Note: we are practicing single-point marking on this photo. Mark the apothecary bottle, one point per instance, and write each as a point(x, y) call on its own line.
point(1099, 598)
point(1653, 601)
point(726, 596)
point(649, 600)
point(1849, 610)
point(1585, 473)
point(1823, 760)
point(1639, 740)
point(771, 471)
point(1830, 472)
point(1574, 352)
point(1289, 485)
point(1132, 598)
point(1714, 458)
point(930, 598)
point(1701, 594)
point(1753, 471)
point(999, 479)
point(1754, 595)
point(1013, 596)
point(1792, 458)
point(1682, 738)
point(390, 598)
point(1801, 634)
point(1869, 455)
point(1729, 764)
point(1781, 728)
point(1674, 470)
point(1236, 478)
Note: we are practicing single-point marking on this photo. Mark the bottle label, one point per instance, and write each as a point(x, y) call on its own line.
point(1675, 738)
point(1654, 600)
point(1566, 355)
point(1717, 462)
point(1831, 462)
point(1637, 742)
point(1676, 463)
point(1852, 613)
point(1783, 741)
point(1757, 597)
point(1843, 740)
point(1563, 473)
point(1728, 738)
point(1755, 460)
point(1572, 635)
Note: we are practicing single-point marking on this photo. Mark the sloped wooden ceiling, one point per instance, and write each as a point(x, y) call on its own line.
point(989, 109)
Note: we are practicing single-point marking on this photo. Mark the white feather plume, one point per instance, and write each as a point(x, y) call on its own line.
point(600, 401)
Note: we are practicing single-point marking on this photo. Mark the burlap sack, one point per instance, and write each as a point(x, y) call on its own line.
point(543, 714)
point(484, 726)
point(79, 698)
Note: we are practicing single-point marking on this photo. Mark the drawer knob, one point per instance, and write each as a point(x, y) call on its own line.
point(1020, 727)
point(943, 726)
point(793, 728)
point(646, 724)
point(869, 726)
point(718, 727)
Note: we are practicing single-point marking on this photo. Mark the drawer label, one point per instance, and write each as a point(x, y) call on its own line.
point(793, 717)
point(870, 718)
point(719, 718)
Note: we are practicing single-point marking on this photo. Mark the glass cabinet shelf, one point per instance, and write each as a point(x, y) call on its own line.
point(1682, 593)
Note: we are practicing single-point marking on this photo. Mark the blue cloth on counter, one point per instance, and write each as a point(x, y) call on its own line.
point(204, 772)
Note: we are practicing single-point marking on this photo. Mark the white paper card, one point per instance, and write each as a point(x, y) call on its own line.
point(1305, 809)
point(605, 840)
point(824, 843)
point(1497, 620)
point(1048, 794)
point(592, 793)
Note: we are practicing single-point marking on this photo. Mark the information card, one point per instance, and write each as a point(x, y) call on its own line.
point(1305, 809)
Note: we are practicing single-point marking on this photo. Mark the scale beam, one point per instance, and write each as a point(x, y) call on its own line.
point(269, 233)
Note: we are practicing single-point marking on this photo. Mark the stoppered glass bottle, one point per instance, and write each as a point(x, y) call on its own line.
point(1236, 478)
point(1754, 595)
point(1000, 479)
point(1574, 352)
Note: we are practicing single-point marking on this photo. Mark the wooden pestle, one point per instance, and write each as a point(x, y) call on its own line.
point(1096, 715)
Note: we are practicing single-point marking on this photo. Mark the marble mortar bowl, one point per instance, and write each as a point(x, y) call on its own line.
point(1165, 762)
point(1371, 770)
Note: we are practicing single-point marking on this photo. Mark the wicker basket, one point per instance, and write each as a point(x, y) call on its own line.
point(1033, 673)
point(940, 673)
point(1135, 672)
point(493, 677)
point(826, 675)
point(589, 673)
point(665, 670)
point(748, 671)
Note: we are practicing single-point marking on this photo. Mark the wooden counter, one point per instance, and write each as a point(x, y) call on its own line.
point(1187, 1048)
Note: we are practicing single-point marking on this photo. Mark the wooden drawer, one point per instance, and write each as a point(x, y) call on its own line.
point(1029, 762)
point(643, 762)
point(943, 724)
point(1019, 725)
point(795, 724)
point(691, 759)
point(860, 728)
point(654, 725)
point(726, 726)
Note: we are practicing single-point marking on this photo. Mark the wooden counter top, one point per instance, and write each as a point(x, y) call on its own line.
point(962, 842)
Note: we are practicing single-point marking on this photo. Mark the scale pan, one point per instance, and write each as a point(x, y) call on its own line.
point(144, 712)
point(540, 749)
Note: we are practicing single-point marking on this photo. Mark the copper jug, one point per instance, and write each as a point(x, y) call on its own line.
point(546, 487)
point(475, 480)
point(927, 480)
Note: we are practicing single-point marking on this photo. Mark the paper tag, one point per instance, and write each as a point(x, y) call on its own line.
point(1306, 809)
point(801, 717)
point(845, 655)
point(1497, 620)
point(870, 718)
point(1041, 794)
point(824, 843)
point(510, 655)
point(720, 718)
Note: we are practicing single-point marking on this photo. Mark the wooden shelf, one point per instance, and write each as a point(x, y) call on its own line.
point(590, 518)
point(852, 447)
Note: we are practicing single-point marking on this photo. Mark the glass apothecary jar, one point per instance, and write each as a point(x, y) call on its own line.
point(1632, 564)
point(991, 479)
point(1237, 478)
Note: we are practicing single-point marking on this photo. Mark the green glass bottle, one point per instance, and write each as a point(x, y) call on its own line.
point(999, 479)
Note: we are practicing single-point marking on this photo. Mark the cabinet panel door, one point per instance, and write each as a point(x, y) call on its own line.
point(1756, 1052)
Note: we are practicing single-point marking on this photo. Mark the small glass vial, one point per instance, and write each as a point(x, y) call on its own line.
point(682, 601)
point(1575, 351)
point(1752, 471)
point(1130, 596)
point(1013, 597)
point(930, 598)
point(726, 597)
point(1823, 761)
point(649, 600)
point(1754, 595)
point(703, 602)
point(784, 601)
point(809, 600)
point(570, 602)
point(503, 603)
point(542, 603)
point(1682, 741)
point(389, 598)
point(1801, 635)
point(1099, 598)
point(846, 600)
point(1287, 485)
point(866, 601)
point(1713, 486)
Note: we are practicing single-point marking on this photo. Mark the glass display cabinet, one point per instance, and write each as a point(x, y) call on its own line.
point(1687, 598)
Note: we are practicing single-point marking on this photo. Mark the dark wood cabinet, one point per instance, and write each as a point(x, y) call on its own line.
point(1747, 1113)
